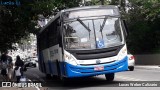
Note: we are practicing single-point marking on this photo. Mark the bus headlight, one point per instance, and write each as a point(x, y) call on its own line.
point(122, 53)
point(70, 59)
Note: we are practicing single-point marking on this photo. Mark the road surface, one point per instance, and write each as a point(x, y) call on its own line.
point(99, 82)
point(128, 80)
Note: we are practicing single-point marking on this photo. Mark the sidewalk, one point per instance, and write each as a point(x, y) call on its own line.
point(24, 88)
point(148, 67)
point(17, 88)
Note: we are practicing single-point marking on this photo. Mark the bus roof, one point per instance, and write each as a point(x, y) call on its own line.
point(91, 7)
point(55, 17)
point(78, 8)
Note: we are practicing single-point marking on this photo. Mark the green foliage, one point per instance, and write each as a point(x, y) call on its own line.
point(100, 2)
point(17, 22)
point(144, 25)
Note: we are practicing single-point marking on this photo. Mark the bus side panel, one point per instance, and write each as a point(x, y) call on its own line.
point(50, 59)
point(47, 64)
point(63, 69)
point(41, 62)
point(46, 59)
point(55, 57)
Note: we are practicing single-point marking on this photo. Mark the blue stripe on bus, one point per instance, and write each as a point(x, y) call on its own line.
point(53, 67)
point(50, 66)
point(81, 71)
point(62, 68)
point(70, 71)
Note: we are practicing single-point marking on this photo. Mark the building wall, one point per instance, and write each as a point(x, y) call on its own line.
point(147, 59)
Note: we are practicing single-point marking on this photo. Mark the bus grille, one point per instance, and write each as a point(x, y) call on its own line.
point(96, 53)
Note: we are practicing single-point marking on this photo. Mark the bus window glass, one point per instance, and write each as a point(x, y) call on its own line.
point(84, 34)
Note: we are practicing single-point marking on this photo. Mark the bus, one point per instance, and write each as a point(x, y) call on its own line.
point(82, 42)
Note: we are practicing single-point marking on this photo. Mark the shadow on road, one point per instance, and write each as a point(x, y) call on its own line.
point(76, 83)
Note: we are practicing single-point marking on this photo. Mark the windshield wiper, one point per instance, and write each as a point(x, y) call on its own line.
point(83, 24)
point(101, 28)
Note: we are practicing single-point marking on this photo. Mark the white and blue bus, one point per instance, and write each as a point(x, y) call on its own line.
point(83, 41)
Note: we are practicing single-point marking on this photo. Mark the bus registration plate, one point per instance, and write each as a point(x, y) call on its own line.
point(99, 68)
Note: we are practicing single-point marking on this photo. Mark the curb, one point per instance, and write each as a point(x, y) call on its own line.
point(148, 67)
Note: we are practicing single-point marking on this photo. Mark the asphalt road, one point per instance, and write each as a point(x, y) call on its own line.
point(99, 82)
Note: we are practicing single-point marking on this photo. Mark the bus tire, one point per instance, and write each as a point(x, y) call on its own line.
point(48, 76)
point(63, 79)
point(131, 68)
point(109, 77)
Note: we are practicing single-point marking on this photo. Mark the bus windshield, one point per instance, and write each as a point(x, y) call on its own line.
point(92, 33)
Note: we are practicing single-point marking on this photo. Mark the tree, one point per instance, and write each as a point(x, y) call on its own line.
point(143, 21)
point(18, 21)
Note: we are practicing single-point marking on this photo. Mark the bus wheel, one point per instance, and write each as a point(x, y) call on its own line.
point(109, 77)
point(64, 81)
point(131, 68)
point(48, 76)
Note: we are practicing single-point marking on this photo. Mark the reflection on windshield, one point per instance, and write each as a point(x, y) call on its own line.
point(89, 13)
point(92, 33)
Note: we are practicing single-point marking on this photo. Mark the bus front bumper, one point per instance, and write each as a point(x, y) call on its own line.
point(89, 70)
